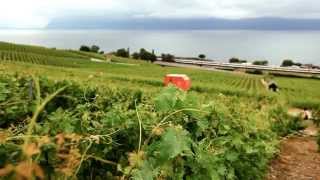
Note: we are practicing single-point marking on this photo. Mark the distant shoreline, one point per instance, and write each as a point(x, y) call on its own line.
point(221, 45)
point(279, 71)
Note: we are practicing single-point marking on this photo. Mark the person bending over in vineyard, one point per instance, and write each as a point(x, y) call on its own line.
point(273, 86)
point(306, 114)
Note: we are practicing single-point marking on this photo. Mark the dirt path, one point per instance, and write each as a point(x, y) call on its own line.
point(299, 158)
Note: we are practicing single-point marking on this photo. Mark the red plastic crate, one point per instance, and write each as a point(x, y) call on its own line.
point(179, 80)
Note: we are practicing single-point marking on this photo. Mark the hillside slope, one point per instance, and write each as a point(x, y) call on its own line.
point(44, 56)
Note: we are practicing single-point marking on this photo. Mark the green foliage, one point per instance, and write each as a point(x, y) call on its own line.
point(146, 55)
point(89, 54)
point(60, 122)
point(261, 63)
point(236, 60)
point(122, 53)
point(95, 48)
point(174, 142)
point(288, 63)
point(3, 91)
point(136, 55)
point(85, 48)
point(284, 124)
point(214, 145)
point(226, 127)
point(12, 107)
point(202, 56)
point(167, 58)
point(99, 130)
point(171, 100)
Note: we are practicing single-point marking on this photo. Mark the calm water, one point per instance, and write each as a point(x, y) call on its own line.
point(274, 46)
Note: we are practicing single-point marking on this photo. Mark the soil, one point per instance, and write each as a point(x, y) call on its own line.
point(299, 158)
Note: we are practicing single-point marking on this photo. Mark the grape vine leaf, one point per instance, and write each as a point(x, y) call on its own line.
point(146, 172)
point(3, 92)
point(174, 142)
point(167, 99)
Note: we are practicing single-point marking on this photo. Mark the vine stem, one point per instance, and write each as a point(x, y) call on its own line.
point(38, 92)
point(140, 126)
point(85, 157)
point(101, 160)
point(82, 159)
point(35, 136)
point(11, 103)
point(181, 110)
point(163, 121)
point(39, 109)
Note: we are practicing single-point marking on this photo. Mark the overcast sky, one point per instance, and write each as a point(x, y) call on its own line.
point(38, 13)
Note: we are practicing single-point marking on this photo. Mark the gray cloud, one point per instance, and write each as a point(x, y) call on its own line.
point(187, 8)
point(39, 12)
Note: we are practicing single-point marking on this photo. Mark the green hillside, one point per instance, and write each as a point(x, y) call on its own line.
point(298, 92)
point(45, 56)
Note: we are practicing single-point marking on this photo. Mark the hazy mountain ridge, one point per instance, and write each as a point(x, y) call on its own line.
point(184, 23)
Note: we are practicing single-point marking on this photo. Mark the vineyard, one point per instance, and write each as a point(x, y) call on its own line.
point(44, 51)
point(302, 93)
point(298, 92)
point(65, 117)
point(44, 56)
point(66, 130)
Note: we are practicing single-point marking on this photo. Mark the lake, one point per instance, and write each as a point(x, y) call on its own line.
point(301, 46)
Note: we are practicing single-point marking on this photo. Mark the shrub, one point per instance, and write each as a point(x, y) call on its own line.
point(261, 63)
point(236, 60)
point(146, 55)
point(167, 58)
point(85, 48)
point(287, 63)
point(122, 53)
point(95, 48)
point(285, 124)
point(136, 55)
point(202, 56)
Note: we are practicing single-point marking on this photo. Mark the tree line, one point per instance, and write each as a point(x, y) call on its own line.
point(146, 55)
point(241, 61)
point(288, 63)
point(285, 63)
point(93, 48)
point(143, 54)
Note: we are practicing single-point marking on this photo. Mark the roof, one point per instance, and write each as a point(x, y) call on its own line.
point(178, 75)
